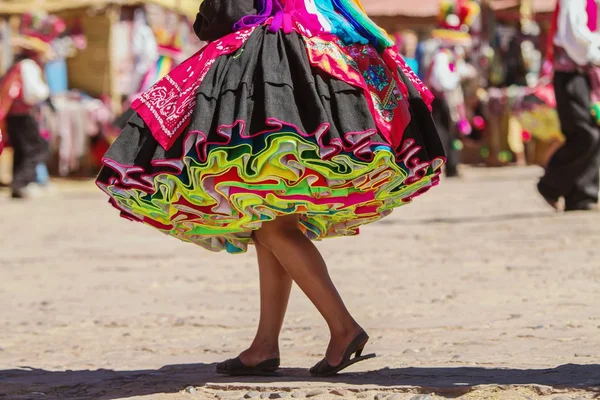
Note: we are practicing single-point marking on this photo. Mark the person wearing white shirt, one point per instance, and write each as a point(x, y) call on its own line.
point(445, 77)
point(446, 72)
point(30, 149)
point(574, 35)
point(573, 171)
point(35, 90)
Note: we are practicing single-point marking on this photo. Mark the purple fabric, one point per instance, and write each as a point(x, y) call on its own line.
point(267, 8)
point(283, 16)
point(277, 17)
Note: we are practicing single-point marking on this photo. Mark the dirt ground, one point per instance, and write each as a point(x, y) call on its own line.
point(476, 291)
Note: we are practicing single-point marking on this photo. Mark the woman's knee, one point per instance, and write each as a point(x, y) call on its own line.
point(275, 233)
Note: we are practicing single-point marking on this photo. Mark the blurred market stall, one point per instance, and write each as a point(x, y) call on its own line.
point(508, 50)
point(117, 49)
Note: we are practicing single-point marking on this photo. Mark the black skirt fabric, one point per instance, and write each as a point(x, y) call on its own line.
point(216, 18)
point(272, 135)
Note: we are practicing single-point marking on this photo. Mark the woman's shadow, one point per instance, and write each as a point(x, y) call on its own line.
point(30, 383)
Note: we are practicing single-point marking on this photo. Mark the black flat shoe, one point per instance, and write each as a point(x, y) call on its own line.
point(584, 207)
point(235, 367)
point(324, 369)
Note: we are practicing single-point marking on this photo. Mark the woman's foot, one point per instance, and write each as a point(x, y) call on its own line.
point(31, 191)
point(256, 355)
point(352, 354)
point(339, 343)
point(553, 202)
point(235, 367)
point(583, 207)
point(255, 361)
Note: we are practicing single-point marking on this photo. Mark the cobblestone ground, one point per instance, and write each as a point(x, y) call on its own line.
point(476, 291)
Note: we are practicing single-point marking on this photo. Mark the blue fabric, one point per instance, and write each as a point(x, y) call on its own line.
point(420, 55)
point(42, 175)
point(56, 75)
point(356, 24)
point(340, 26)
point(413, 63)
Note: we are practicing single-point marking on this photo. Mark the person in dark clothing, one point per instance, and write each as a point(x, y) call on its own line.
point(440, 111)
point(573, 171)
point(30, 150)
point(516, 69)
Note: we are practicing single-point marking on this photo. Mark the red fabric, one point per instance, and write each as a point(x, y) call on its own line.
point(592, 12)
point(546, 94)
point(462, 10)
point(11, 88)
point(19, 107)
point(99, 150)
point(11, 94)
point(361, 66)
point(1, 137)
point(552, 33)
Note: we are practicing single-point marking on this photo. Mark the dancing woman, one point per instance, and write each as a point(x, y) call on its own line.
point(298, 121)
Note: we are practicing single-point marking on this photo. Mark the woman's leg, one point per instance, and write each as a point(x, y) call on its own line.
point(303, 262)
point(275, 288)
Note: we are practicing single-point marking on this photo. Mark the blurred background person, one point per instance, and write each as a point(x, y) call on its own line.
point(573, 171)
point(446, 71)
point(408, 45)
point(23, 89)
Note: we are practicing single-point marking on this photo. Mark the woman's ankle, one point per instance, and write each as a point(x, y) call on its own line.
point(347, 331)
point(265, 347)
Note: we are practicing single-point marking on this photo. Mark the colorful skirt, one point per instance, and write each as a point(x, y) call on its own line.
point(260, 125)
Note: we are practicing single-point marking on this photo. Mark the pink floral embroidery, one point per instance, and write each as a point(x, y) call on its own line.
point(363, 67)
point(168, 106)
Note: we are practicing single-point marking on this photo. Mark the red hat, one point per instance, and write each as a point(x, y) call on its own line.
point(37, 31)
point(42, 26)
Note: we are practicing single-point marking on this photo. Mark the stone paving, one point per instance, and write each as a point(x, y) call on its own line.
point(476, 291)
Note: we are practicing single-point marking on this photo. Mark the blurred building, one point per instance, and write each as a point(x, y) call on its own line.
point(396, 15)
point(107, 64)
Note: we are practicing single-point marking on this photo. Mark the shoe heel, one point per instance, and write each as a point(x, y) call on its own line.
point(359, 352)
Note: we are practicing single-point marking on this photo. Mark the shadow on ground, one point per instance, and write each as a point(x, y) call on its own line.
point(471, 219)
point(29, 383)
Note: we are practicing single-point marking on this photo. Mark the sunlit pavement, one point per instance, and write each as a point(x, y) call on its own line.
point(478, 273)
